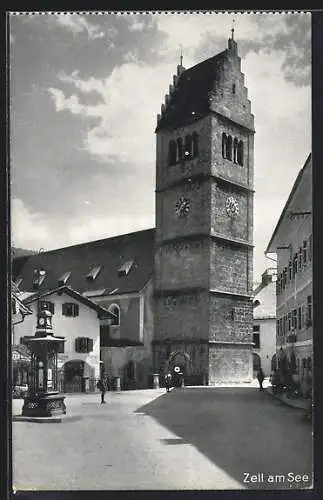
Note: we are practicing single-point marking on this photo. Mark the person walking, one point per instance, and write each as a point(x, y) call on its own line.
point(168, 381)
point(260, 377)
point(102, 388)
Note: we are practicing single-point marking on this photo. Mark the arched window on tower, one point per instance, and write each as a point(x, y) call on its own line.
point(179, 153)
point(188, 148)
point(195, 145)
point(172, 153)
point(235, 150)
point(229, 148)
point(224, 145)
point(240, 153)
point(115, 310)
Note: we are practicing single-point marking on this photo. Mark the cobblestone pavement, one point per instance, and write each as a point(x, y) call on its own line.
point(191, 438)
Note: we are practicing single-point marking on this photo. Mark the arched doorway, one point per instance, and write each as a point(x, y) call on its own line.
point(178, 362)
point(76, 372)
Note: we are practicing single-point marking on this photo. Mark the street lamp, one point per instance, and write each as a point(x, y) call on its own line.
point(43, 399)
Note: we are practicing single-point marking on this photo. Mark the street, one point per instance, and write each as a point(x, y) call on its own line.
point(191, 438)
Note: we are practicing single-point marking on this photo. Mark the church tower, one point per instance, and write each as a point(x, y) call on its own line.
point(204, 223)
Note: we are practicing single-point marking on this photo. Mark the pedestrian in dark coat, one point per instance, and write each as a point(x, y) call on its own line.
point(260, 377)
point(102, 388)
point(168, 381)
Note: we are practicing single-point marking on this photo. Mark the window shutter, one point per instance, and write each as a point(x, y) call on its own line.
point(76, 310)
point(77, 345)
point(51, 307)
point(90, 344)
point(64, 309)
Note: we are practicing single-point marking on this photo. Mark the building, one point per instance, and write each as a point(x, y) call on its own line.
point(292, 243)
point(20, 355)
point(76, 318)
point(182, 292)
point(264, 323)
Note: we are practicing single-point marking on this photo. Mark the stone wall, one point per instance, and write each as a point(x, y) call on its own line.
point(229, 363)
point(182, 264)
point(230, 319)
point(181, 316)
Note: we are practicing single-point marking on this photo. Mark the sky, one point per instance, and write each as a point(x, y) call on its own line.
point(85, 91)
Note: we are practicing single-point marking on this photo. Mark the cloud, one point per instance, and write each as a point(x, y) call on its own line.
point(33, 230)
point(79, 24)
point(127, 120)
point(29, 229)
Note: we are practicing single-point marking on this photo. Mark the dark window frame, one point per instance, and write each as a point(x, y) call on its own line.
point(70, 309)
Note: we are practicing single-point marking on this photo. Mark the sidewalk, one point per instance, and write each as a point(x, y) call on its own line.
point(300, 404)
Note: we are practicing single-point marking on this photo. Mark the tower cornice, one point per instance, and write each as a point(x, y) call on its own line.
point(205, 236)
point(177, 292)
point(185, 181)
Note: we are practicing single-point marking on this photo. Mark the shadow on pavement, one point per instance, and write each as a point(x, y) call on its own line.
point(241, 430)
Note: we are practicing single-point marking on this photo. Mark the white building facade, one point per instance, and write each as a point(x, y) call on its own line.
point(78, 320)
point(292, 243)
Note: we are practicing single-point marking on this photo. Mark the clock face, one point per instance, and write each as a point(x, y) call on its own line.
point(232, 206)
point(182, 206)
point(41, 321)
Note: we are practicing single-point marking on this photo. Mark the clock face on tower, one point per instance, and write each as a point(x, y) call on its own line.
point(41, 321)
point(182, 206)
point(232, 206)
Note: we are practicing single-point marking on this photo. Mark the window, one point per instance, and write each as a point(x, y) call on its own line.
point(94, 271)
point(300, 259)
point(256, 328)
point(240, 153)
point(256, 340)
point(172, 153)
point(70, 309)
point(309, 311)
point(125, 268)
point(194, 145)
point(228, 152)
point(46, 305)
point(63, 279)
point(289, 316)
point(294, 319)
point(233, 88)
point(303, 320)
point(285, 277)
point(299, 318)
point(290, 271)
point(235, 150)
point(310, 247)
point(188, 148)
point(115, 309)
point(278, 328)
point(304, 252)
point(179, 149)
point(224, 145)
point(83, 344)
point(295, 262)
